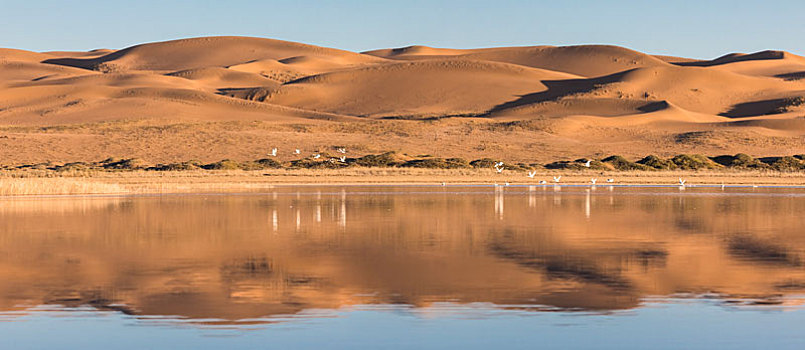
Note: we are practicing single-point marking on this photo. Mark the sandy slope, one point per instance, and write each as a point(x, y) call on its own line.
point(525, 103)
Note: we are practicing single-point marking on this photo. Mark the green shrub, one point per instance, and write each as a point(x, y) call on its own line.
point(740, 160)
point(693, 162)
point(388, 159)
point(621, 163)
point(123, 164)
point(483, 163)
point(658, 163)
point(261, 164)
point(226, 164)
point(787, 163)
point(184, 166)
point(438, 163)
point(75, 166)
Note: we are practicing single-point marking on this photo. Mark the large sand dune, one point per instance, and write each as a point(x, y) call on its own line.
point(523, 103)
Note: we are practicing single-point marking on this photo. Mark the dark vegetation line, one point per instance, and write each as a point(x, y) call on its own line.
point(399, 160)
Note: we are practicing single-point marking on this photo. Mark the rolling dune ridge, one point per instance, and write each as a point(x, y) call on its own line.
point(236, 97)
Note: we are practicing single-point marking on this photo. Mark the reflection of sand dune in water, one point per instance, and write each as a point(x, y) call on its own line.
point(220, 257)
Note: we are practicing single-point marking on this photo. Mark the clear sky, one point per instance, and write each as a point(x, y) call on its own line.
point(700, 29)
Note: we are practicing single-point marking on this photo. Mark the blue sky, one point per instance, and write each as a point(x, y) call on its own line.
point(701, 29)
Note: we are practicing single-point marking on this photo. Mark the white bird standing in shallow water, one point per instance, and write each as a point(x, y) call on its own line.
point(273, 152)
point(532, 174)
point(557, 178)
point(588, 163)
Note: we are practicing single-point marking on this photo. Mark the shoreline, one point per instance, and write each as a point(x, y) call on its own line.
point(29, 184)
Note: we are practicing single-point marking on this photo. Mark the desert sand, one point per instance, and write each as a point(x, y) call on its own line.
point(236, 97)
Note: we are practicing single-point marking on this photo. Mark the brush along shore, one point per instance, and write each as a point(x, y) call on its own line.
point(795, 163)
point(47, 182)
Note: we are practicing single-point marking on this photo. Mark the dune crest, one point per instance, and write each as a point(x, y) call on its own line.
point(561, 100)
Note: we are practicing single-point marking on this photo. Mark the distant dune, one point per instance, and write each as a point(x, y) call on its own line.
point(518, 102)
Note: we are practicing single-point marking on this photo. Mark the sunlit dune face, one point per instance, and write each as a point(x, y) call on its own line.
point(245, 257)
point(215, 98)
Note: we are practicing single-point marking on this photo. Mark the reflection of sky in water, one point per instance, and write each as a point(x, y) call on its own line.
point(408, 265)
point(677, 324)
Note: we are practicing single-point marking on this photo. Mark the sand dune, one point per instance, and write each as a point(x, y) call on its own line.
point(421, 88)
point(584, 60)
point(574, 98)
point(778, 64)
point(205, 52)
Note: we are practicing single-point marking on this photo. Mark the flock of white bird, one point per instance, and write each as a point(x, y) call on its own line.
point(342, 159)
point(498, 166)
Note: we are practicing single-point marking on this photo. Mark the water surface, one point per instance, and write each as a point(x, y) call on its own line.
point(408, 266)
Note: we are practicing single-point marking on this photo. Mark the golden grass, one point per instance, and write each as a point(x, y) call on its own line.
point(27, 183)
point(56, 186)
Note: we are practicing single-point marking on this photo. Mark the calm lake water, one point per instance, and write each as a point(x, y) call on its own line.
point(407, 267)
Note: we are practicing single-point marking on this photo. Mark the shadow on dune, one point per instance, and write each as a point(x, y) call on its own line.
point(764, 107)
point(791, 76)
point(654, 106)
point(559, 88)
point(96, 64)
point(735, 57)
